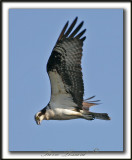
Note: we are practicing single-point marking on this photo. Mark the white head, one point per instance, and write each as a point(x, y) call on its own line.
point(40, 116)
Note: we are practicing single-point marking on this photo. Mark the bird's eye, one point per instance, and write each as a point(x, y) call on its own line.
point(37, 118)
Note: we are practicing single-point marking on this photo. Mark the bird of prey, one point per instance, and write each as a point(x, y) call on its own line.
point(65, 74)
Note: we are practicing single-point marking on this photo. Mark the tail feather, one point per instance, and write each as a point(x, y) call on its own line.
point(87, 104)
point(103, 116)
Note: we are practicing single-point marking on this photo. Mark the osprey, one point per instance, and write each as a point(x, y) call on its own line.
point(65, 73)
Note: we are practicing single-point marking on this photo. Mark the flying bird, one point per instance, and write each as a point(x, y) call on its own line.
point(66, 79)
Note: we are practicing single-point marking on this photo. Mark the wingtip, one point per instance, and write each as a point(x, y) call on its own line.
point(83, 38)
point(76, 18)
point(82, 22)
point(67, 22)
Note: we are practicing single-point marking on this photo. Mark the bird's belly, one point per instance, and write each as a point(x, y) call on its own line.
point(65, 114)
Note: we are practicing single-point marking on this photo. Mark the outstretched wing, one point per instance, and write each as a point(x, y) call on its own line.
point(64, 65)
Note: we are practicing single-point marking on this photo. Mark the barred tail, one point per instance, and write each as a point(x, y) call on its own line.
point(103, 116)
point(92, 115)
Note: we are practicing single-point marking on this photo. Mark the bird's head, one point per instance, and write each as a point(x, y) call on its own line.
point(39, 117)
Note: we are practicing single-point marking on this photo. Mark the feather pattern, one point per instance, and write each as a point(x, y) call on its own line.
point(65, 73)
point(65, 60)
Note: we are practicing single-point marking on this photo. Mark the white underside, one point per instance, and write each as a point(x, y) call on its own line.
point(59, 97)
point(62, 106)
point(64, 114)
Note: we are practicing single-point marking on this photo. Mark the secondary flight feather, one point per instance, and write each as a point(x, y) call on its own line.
point(66, 79)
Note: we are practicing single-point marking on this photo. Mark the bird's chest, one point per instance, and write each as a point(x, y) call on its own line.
point(62, 114)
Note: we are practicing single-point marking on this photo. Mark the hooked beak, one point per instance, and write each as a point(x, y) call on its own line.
point(37, 120)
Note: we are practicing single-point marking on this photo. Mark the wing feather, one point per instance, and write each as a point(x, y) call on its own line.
point(65, 63)
point(81, 33)
point(76, 30)
point(71, 27)
point(63, 31)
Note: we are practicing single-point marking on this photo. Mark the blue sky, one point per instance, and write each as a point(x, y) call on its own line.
point(32, 36)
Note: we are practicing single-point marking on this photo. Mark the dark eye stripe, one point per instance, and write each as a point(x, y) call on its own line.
point(37, 118)
point(49, 106)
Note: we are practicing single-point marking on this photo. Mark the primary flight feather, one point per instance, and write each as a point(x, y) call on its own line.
point(65, 73)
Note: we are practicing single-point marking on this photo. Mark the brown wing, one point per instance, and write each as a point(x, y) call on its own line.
point(65, 59)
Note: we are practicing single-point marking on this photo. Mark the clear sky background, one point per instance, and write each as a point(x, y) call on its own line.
point(32, 36)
